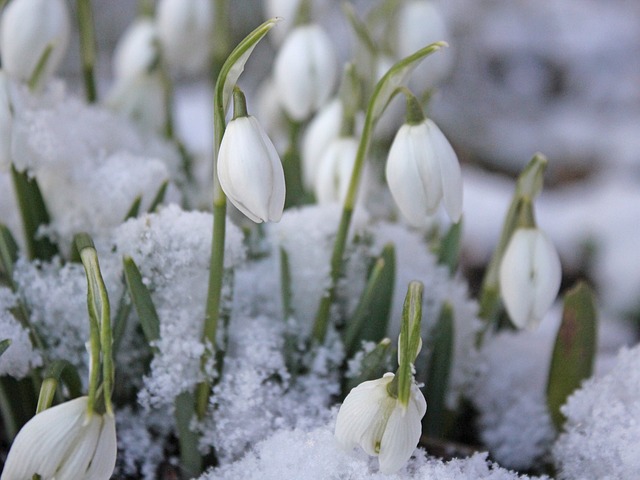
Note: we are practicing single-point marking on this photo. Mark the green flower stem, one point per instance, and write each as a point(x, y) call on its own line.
point(100, 324)
point(87, 48)
point(221, 35)
point(382, 94)
point(229, 74)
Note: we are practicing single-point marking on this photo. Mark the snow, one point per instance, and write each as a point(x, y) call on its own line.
point(602, 432)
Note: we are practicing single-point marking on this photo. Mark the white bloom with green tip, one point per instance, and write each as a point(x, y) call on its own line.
point(305, 71)
point(28, 28)
point(422, 169)
point(185, 30)
point(250, 171)
point(372, 418)
point(64, 442)
point(530, 275)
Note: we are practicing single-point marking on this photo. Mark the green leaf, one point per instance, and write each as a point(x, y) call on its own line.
point(159, 198)
point(574, 350)
point(374, 364)
point(234, 65)
point(8, 255)
point(142, 301)
point(34, 214)
point(56, 371)
point(409, 341)
point(437, 383)
point(285, 283)
point(4, 344)
point(449, 249)
point(190, 460)
point(134, 209)
point(370, 320)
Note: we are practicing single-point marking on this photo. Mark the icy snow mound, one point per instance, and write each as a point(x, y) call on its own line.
point(602, 432)
point(316, 455)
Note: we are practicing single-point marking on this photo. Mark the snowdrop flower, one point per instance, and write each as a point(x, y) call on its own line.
point(185, 29)
point(420, 22)
point(305, 71)
point(65, 441)
point(372, 418)
point(322, 129)
point(250, 171)
point(137, 50)
point(334, 170)
point(423, 169)
point(27, 29)
point(530, 275)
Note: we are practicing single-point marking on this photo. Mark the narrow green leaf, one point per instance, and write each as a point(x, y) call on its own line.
point(449, 249)
point(234, 66)
point(190, 459)
point(371, 317)
point(56, 371)
point(4, 344)
point(120, 320)
point(409, 341)
point(360, 29)
point(374, 364)
point(142, 301)
point(159, 198)
point(439, 369)
point(574, 350)
point(134, 209)
point(295, 194)
point(38, 71)
point(8, 255)
point(34, 214)
point(285, 283)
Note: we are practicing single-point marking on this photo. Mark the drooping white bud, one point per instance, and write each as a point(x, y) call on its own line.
point(27, 29)
point(530, 275)
point(335, 169)
point(137, 50)
point(305, 71)
point(420, 23)
point(372, 418)
point(64, 441)
point(422, 169)
point(323, 128)
point(250, 170)
point(185, 30)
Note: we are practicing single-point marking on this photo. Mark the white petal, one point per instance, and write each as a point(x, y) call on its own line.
point(136, 50)
point(364, 406)
point(402, 433)
point(78, 458)
point(322, 129)
point(335, 169)
point(104, 459)
point(530, 275)
point(451, 176)
point(250, 171)
point(43, 441)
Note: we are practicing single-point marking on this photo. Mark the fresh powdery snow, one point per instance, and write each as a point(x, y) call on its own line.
point(602, 433)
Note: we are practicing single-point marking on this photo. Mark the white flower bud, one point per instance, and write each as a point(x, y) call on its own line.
point(64, 441)
point(137, 50)
point(421, 23)
point(335, 169)
point(28, 28)
point(322, 129)
point(530, 275)
point(380, 424)
point(250, 171)
point(423, 169)
point(305, 71)
point(185, 30)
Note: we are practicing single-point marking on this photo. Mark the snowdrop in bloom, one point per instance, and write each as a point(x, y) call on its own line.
point(322, 129)
point(423, 169)
point(185, 30)
point(530, 275)
point(420, 23)
point(334, 170)
point(250, 171)
point(372, 418)
point(28, 28)
point(305, 71)
point(65, 441)
point(137, 50)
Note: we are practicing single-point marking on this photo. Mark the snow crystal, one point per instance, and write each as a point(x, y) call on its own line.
point(79, 153)
point(602, 432)
point(172, 250)
point(20, 357)
point(509, 391)
point(316, 455)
